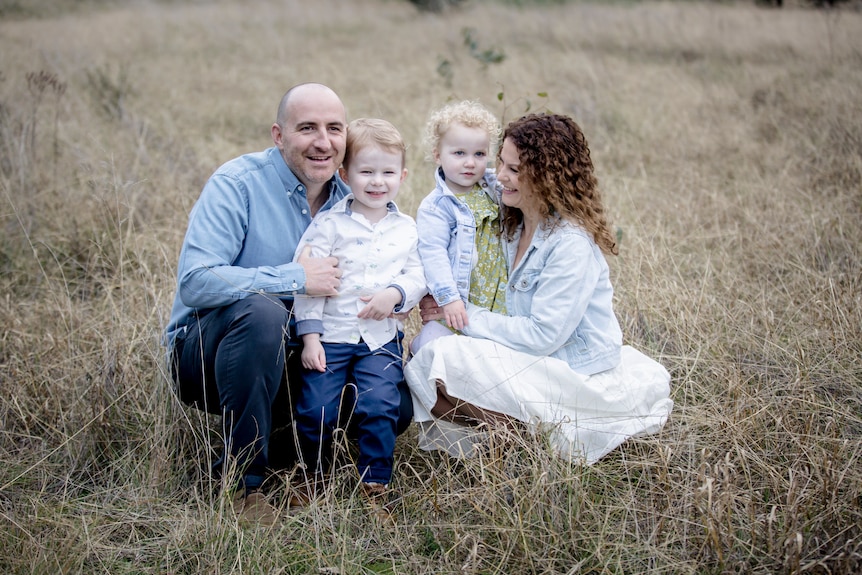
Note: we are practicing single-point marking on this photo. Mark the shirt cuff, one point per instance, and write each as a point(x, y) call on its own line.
point(293, 278)
point(400, 306)
point(309, 326)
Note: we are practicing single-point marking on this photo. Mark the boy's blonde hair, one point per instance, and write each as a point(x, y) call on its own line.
point(469, 113)
point(373, 131)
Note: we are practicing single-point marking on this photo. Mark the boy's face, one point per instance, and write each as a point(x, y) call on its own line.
point(463, 155)
point(374, 176)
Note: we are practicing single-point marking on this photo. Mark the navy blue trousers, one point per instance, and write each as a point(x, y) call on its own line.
point(373, 415)
point(242, 362)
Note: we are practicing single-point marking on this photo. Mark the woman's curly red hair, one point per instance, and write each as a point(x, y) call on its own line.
point(555, 162)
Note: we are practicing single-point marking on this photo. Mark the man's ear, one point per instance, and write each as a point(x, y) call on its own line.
point(277, 135)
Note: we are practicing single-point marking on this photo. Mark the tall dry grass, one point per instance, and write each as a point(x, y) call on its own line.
point(727, 141)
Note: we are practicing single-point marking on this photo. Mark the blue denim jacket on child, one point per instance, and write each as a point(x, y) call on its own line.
point(447, 239)
point(561, 298)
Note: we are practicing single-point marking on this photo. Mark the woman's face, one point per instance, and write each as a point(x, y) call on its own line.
point(516, 194)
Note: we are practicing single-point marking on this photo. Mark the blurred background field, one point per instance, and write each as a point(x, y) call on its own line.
point(727, 139)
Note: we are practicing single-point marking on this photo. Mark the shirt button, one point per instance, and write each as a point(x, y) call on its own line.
point(304, 211)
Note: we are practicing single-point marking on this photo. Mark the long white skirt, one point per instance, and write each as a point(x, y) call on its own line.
point(586, 416)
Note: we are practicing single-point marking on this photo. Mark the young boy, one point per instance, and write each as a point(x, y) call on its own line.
point(352, 337)
point(459, 221)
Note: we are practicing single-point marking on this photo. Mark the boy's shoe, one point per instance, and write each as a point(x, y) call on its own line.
point(381, 500)
point(301, 494)
point(252, 508)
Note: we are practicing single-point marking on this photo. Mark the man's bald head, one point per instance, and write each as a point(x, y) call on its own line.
point(307, 90)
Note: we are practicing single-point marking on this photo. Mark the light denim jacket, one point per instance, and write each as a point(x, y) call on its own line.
point(242, 234)
point(447, 239)
point(559, 301)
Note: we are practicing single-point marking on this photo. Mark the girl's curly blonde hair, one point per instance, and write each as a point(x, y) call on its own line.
point(469, 113)
point(554, 160)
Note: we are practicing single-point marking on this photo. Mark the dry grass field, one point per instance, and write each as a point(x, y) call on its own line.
point(728, 142)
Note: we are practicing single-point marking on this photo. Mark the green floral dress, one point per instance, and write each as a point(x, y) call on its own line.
point(489, 277)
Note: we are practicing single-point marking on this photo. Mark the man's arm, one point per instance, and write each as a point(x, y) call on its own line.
point(215, 237)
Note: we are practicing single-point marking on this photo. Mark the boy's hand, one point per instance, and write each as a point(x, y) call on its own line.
point(313, 355)
point(456, 314)
point(380, 305)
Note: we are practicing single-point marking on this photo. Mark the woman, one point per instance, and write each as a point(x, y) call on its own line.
point(556, 360)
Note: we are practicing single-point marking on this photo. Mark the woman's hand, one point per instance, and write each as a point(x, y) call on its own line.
point(429, 310)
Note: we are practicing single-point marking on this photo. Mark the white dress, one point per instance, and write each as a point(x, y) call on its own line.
point(586, 416)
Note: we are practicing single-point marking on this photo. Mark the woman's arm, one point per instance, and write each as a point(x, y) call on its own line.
point(556, 290)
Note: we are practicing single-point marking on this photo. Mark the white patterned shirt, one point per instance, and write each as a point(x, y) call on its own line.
point(371, 258)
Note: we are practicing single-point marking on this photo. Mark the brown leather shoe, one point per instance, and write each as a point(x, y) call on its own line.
point(252, 509)
point(301, 494)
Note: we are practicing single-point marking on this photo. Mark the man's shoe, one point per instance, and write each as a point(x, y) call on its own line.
point(252, 508)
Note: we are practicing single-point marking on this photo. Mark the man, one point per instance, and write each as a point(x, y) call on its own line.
point(230, 331)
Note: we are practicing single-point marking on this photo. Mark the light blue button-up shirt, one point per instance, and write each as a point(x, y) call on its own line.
point(242, 234)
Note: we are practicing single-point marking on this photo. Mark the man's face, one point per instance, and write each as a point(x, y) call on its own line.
point(312, 139)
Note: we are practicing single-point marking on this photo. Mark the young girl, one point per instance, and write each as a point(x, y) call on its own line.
point(459, 221)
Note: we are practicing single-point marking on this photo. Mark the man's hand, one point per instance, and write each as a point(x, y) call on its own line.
point(313, 355)
point(429, 310)
point(322, 276)
point(380, 305)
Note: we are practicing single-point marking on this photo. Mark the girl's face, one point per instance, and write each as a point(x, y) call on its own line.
point(463, 155)
point(516, 194)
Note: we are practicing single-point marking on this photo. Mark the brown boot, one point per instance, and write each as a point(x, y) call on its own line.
point(252, 509)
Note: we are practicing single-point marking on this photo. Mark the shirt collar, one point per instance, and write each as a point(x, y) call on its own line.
point(292, 185)
point(348, 201)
